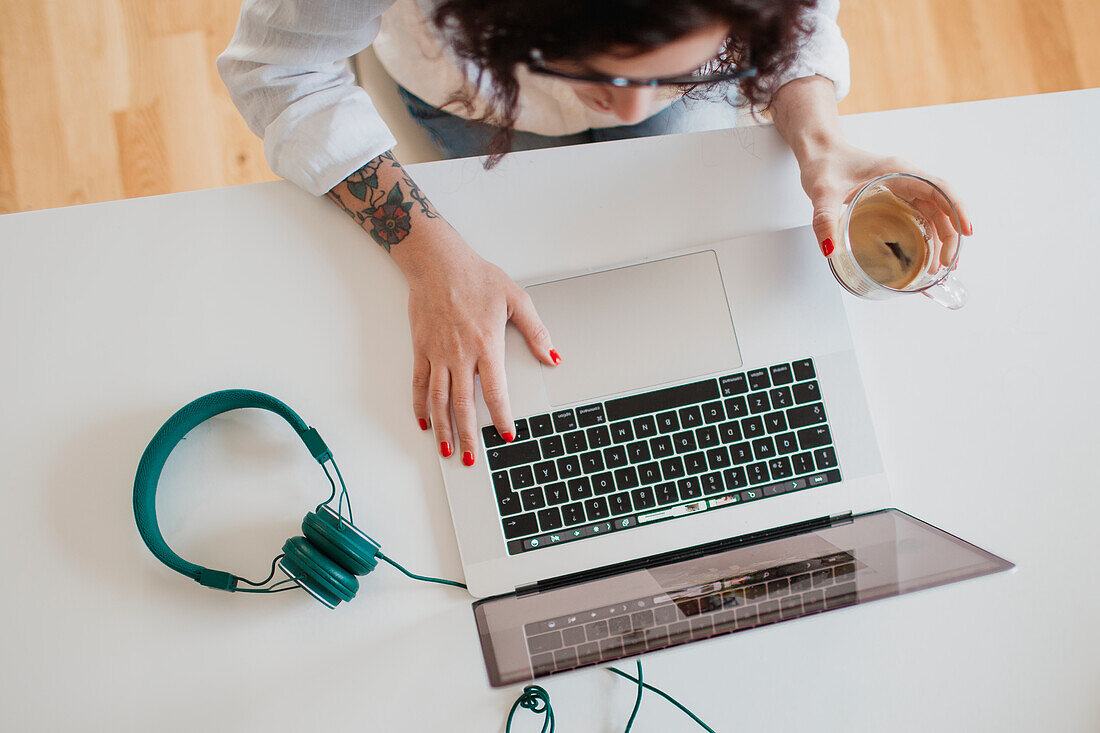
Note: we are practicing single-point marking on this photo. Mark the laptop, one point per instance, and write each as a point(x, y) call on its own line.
point(702, 462)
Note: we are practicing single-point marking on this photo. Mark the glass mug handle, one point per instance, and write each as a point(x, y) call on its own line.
point(949, 292)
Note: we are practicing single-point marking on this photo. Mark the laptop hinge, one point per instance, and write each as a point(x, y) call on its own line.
point(667, 558)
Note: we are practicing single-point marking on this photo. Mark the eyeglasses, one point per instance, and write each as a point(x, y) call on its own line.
point(537, 65)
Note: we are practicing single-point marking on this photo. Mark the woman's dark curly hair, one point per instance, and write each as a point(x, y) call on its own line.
point(497, 35)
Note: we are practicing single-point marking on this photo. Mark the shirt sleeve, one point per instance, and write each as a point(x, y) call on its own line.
point(823, 50)
point(287, 72)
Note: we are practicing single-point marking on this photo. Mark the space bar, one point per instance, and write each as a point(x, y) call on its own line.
point(661, 399)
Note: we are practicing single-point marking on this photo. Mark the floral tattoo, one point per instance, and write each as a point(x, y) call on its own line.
point(387, 216)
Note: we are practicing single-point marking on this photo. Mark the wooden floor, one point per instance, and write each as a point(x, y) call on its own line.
point(107, 99)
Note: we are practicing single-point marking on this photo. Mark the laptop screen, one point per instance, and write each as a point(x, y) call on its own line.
point(666, 603)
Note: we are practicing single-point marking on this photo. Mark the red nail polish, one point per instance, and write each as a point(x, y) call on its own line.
point(423, 423)
point(827, 247)
point(508, 437)
point(554, 356)
point(445, 449)
point(467, 459)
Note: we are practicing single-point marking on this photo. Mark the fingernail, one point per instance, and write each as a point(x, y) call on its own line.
point(467, 459)
point(445, 449)
point(827, 247)
point(508, 437)
point(423, 423)
point(554, 356)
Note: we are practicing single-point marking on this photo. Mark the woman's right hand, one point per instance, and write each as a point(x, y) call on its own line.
point(459, 307)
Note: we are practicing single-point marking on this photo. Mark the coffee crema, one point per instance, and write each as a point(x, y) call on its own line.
point(887, 239)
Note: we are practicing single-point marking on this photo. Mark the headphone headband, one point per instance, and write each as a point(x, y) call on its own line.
point(170, 434)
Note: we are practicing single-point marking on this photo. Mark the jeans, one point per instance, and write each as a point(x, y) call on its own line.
point(457, 137)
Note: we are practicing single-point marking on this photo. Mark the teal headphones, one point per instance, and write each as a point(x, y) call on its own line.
point(325, 561)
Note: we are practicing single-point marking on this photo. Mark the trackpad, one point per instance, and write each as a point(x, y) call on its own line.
point(637, 326)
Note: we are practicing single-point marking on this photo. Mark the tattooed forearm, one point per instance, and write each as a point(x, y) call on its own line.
point(385, 214)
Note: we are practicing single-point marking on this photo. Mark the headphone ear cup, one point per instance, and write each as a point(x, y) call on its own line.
point(303, 579)
point(319, 571)
point(340, 541)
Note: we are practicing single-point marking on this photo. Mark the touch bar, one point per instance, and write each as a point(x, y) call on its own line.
point(661, 399)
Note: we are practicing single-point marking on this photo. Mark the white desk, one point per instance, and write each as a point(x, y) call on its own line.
point(114, 315)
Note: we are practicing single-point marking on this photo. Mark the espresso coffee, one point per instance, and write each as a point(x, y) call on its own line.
point(887, 239)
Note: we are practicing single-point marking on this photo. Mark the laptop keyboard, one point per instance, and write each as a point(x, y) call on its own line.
point(608, 633)
point(659, 455)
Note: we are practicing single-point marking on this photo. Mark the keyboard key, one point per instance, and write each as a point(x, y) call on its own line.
point(672, 468)
point(615, 457)
point(626, 478)
point(780, 468)
point(522, 477)
point(645, 426)
point(781, 374)
point(778, 588)
point(736, 407)
point(596, 508)
point(695, 462)
point(752, 427)
point(621, 432)
point(649, 473)
point(803, 463)
point(573, 514)
point(758, 402)
point(838, 596)
point(552, 447)
point(532, 499)
point(707, 437)
point(540, 425)
point(758, 473)
point(729, 431)
point(806, 392)
point(789, 607)
point(573, 635)
point(575, 442)
point(746, 617)
point(644, 498)
point(786, 443)
point(758, 379)
point(542, 663)
point(741, 452)
point(661, 447)
point(813, 601)
point(523, 431)
point(774, 422)
point(544, 642)
point(569, 467)
point(592, 461)
point(713, 412)
point(596, 630)
point(590, 415)
point(545, 472)
point(519, 525)
point(690, 417)
point(642, 620)
point(718, 458)
point(665, 614)
point(689, 487)
point(781, 398)
point(825, 458)
point(667, 422)
point(800, 417)
point(491, 437)
point(734, 384)
point(712, 483)
point(603, 483)
point(508, 503)
point(735, 478)
point(556, 493)
point(684, 442)
point(763, 448)
point(619, 625)
point(550, 519)
point(579, 488)
point(514, 455)
point(598, 437)
point(501, 482)
point(804, 370)
point(620, 503)
point(565, 658)
point(822, 577)
point(564, 420)
point(638, 451)
point(814, 437)
point(662, 399)
point(666, 493)
point(800, 583)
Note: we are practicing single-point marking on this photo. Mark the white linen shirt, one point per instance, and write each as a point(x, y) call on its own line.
point(286, 70)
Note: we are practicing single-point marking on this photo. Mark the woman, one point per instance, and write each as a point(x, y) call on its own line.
point(518, 74)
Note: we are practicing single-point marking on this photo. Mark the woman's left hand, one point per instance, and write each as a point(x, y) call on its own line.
point(833, 175)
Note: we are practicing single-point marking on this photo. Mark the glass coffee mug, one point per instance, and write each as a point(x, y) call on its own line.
point(900, 234)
